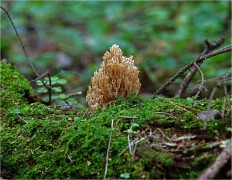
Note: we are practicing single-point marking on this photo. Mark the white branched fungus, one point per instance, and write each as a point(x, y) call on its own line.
point(117, 76)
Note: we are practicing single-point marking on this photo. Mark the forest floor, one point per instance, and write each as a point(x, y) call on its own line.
point(133, 138)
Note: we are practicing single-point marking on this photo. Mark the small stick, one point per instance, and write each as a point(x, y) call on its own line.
point(209, 107)
point(69, 159)
point(129, 144)
point(69, 105)
point(164, 136)
point(163, 113)
point(48, 87)
point(128, 117)
point(225, 102)
point(22, 119)
point(202, 80)
point(108, 149)
point(72, 94)
point(85, 113)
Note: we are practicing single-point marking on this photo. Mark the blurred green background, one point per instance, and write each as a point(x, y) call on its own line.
point(69, 39)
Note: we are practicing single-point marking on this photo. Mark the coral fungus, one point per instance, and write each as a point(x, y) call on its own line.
point(117, 76)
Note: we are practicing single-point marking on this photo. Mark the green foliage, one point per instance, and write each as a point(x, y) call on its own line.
point(201, 161)
point(57, 91)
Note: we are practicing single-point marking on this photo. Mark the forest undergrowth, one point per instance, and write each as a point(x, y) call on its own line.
point(127, 138)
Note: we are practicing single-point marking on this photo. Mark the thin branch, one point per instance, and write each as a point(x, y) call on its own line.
point(39, 77)
point(201, 58)
point(226, 77)
point(192, 70)
point(72, 95)
point(202, 81)
point(129, 143)
point(85, 113)
point(211, 98)
point(226, 101)
point(108, 149)
point(209, 107)
point(219, 83)
point(48, 87)
point(20, 40)
point(69, 105)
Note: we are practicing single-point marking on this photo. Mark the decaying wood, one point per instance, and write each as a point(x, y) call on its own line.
point(221, 160)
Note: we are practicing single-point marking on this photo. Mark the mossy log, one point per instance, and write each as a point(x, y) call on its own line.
point(150, 137)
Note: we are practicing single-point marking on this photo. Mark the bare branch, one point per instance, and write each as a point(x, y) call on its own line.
point(20, 40)
point(48, 87)
point(201, 58)
point(192, 71)
point(39, 77)
point(108, 149)
point(202, 80)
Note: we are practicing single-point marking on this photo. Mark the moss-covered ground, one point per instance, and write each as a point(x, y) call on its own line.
point(150, 138)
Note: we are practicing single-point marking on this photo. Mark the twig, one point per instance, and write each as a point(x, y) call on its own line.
point(17, 34)
point(209, 107)
point(163, 113)
point(225, 102)
point(129, 144)
point(201, 58)
point(129, 117)
point(69, 158)
point(164, 136)
point(108, 149)
point(221, 160)
point(28, 59)
point(25, 122)
point(202, 81)
point(69, 105)
point(193, 69)
point(135, 142)
point(85, 113)
point(40, 77)
point(219, 83)
point(48, 87)
point(199, 149)
point(72, 94)
point(181, 138)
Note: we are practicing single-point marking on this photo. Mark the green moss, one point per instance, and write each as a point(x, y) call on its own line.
point(203, 161)
point(152, 164)
point(164, 158)
point(13, 85)
point(42, 142)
